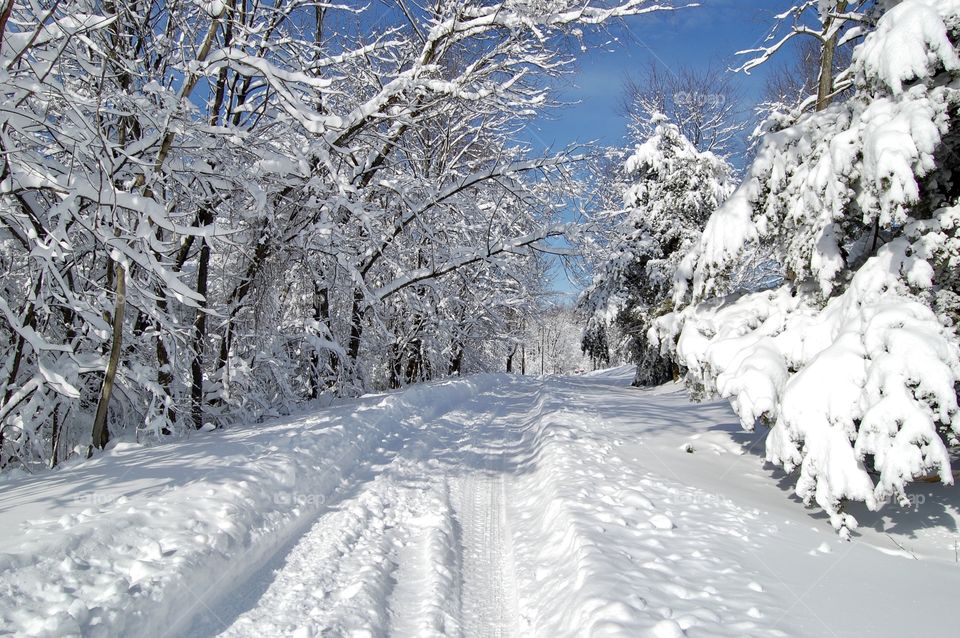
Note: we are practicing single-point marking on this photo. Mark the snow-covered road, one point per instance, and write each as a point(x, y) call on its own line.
point(420, 546)
point(489, 506)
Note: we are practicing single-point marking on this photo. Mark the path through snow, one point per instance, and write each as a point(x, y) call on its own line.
point(490, 506)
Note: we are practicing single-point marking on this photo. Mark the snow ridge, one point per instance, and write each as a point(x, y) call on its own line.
point(610, 551)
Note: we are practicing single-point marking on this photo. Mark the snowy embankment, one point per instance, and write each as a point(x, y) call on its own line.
point(492, 505)
point(140, 539)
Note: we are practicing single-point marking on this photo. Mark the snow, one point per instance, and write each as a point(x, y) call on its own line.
point(728, 231)
point(492, 505)
point(910, 43)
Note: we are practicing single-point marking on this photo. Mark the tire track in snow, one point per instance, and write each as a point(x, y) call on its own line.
point(489, 592)
point(416, 544)
point(387, 448)
point(424, 601)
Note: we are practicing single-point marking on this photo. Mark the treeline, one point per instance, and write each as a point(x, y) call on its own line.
point(211, 210)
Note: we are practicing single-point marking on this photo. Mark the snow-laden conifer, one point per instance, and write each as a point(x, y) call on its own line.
point(670, 190)
point(853, 361)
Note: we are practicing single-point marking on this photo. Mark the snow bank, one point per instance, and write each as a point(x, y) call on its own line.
point(618, 372)
point(605, 547)
point(139, 540)
point(536, 506)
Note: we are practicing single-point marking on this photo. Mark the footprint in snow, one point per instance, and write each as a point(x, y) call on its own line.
point(635, 500)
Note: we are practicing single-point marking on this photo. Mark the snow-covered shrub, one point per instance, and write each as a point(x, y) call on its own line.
point(853, 362)
point(671, 189)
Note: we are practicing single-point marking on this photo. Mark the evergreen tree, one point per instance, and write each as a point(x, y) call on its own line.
point(671, 190)
point(854, 360)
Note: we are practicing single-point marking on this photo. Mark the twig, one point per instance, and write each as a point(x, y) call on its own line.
point(902, 547)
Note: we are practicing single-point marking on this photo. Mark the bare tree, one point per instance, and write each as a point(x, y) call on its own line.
point(830, 25)
point(706, 104)
point(215, 210)
point(793, 82)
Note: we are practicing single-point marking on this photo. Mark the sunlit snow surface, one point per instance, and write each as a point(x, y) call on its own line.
point(489, 506)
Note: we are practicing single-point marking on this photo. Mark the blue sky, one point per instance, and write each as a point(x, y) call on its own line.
point(696, 37)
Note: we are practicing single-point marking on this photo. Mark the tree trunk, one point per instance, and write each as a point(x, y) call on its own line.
point(205, 218)
point(321, 314)
point(356, 328)
point(29, 320)
point(457, 361)
point(199, 333)
point(4, 16)
point(396, 365)
point(56, 431)
point(829, 47)
point(237, 296)
point(415, 364)
point(543, 342)
point(101, 434)
point(165, 377)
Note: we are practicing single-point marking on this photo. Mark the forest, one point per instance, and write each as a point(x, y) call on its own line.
point(215, 212)
point(212, 211)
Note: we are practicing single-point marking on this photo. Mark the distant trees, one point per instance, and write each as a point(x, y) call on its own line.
point(554, 342)
point(546, 341)
point(705, 105)
point(595, 341)
point(649, 203)
point(213, 210)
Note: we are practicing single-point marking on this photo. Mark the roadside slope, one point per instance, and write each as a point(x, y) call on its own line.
point(139, 540)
